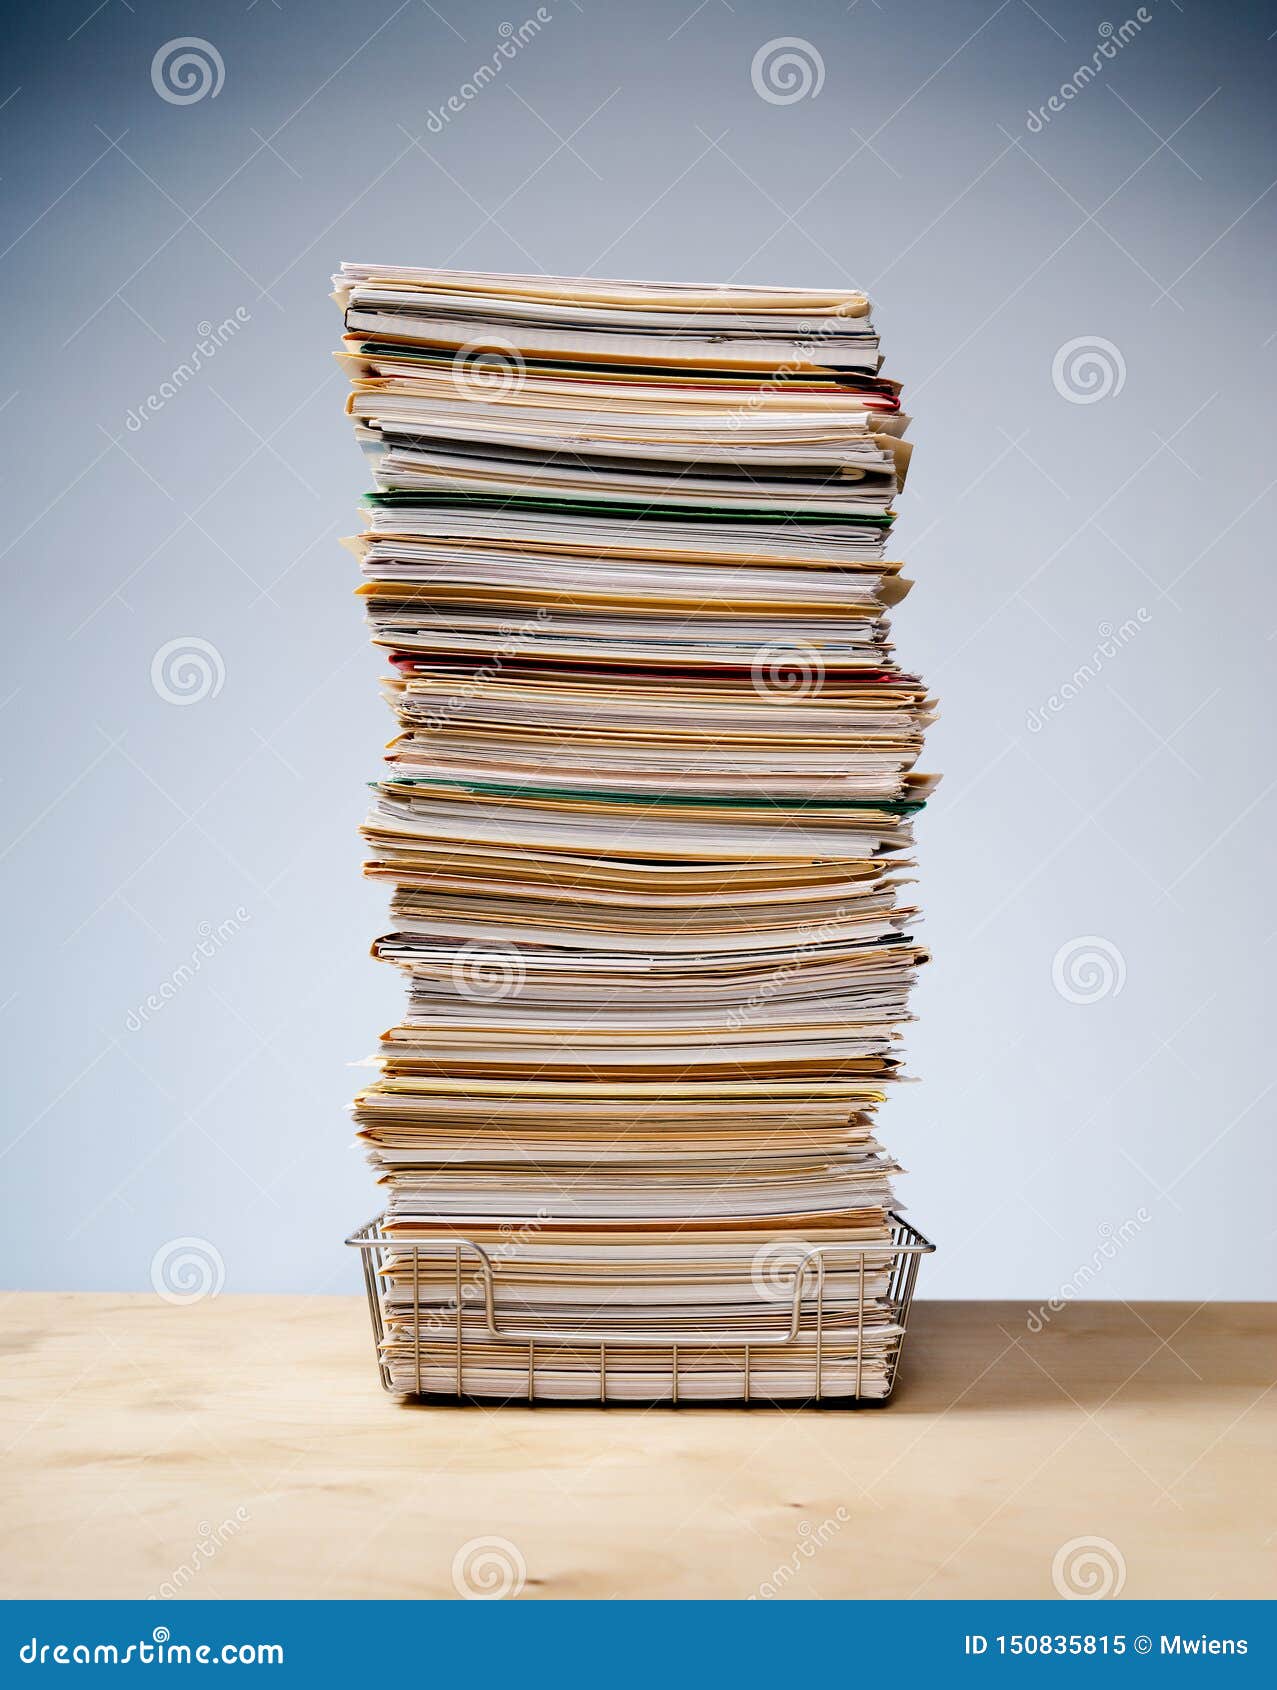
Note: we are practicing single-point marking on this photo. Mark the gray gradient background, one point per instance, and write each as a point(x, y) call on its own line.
point(628, 140)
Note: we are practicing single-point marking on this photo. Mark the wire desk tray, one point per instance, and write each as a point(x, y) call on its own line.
point(824, 1345)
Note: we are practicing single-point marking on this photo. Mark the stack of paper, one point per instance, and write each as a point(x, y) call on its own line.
point(644, 824)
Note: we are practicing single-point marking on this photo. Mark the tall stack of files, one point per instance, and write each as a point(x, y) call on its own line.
point(644, 823)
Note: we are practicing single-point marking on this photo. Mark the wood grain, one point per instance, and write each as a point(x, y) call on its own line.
point(137, 1430)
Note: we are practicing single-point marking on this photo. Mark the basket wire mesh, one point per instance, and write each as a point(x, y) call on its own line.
point(473, 1270)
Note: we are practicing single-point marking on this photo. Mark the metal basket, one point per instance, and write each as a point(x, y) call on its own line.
point(809, 1331)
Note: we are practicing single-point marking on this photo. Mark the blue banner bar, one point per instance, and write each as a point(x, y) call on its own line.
point(647, 1645)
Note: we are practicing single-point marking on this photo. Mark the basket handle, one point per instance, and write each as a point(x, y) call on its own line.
point(810, 1263)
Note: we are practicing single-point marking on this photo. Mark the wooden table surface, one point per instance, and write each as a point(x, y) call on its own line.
point(242, 1447)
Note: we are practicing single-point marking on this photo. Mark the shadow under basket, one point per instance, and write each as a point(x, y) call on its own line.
point(828, 1328)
